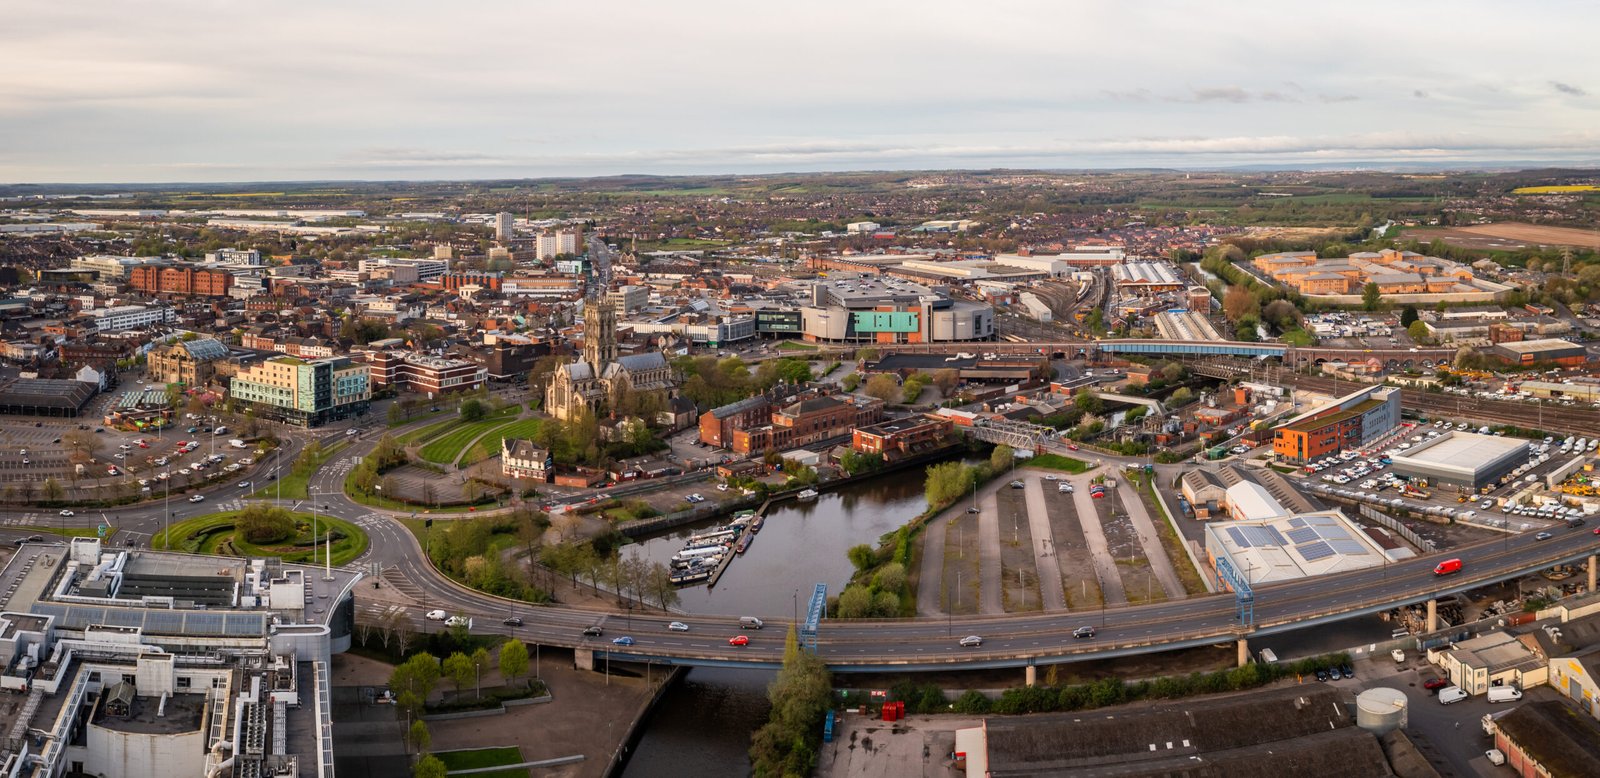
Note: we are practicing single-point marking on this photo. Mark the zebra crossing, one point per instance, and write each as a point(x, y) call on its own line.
point(26, 519)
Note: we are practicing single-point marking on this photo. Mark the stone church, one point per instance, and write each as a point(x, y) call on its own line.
point(591, 380)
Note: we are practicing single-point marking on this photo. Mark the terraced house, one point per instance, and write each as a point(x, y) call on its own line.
point(304, 393)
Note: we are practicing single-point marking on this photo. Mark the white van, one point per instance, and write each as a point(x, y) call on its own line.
point(236, 443)
point(749, 622)
point(1504, 694)
point(1451, 694)
point(220, 431)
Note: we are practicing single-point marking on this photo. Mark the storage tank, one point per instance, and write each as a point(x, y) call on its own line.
point(1381, 710)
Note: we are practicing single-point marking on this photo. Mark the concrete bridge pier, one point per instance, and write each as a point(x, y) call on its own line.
point(1030, 676)
point(1244, 651)
point(584, 658)
point(1433, 616)
point(1592, 559)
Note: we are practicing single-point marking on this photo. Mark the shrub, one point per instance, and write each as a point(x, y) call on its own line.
point(261, 524)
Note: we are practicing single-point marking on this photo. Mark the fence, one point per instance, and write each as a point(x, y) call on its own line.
point(1395, 526)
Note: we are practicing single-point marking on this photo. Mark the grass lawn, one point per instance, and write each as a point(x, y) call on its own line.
point(77, 532)
point(213, 534)
point(490, 444)
point(467, 759)
point(293, 484)
point(375, 501)
point(418, 417)
point(1192, 583)
point(790, 345)
point(1056, 462)
point(424, 433)
point(444, 449)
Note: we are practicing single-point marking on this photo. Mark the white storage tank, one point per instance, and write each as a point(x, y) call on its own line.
point(1381, 710)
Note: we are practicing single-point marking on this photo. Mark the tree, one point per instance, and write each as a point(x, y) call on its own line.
point(51, 491)
point(1002, 458)
point(480, 662)
point(1371, 297)
point(458, 668)
point(1408, 315)
point(430, 766)
point(855, 602)
point(946, 379)
point(472, 410)
point(1418, 331)
point(413, 680)
point(1281, 314)
point(890, 578)
point(418, 736)
point(947, 482)
point(862, 556)
point(1240, 302)
point(883, 387)
point(1088, 402)
point(851, 382)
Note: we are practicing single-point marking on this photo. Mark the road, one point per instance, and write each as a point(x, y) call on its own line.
point(909, 644)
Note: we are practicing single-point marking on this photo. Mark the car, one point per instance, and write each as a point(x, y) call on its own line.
point(1334, 674)
point(244, 484)
point(184, 471)
point(1349, 672)
point(65, 512)
point(352, 432)
point(120, 455)
point(623, 641)
point(143, 444)
point(434, 615)
point(23, 452)
point(1083, 632)
point(678, 626)
point(1052, 477)
point(739, 640)
point(193, 430)
point(1543, 536)
point(972, 641)
point(198, 498)
point(1397, 655)
point(1435, 684)
point(974, 509)
point(513, 621)
point(35, 538)
point(593, 632)
point(458, 621)
point(1017, 484)
point(1072, 447)
point(1322, 675)
point(161, 462)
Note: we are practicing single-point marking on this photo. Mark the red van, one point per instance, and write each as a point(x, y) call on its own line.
point(1447, 567)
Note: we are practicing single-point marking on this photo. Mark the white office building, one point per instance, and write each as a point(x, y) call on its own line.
point(244, 257)
point(503, 226)
point(129, 317)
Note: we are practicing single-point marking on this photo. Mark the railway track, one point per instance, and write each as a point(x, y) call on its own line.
point(1573, 421)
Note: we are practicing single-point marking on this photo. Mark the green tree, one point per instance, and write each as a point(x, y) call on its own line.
point(855, 602)
point(413, 680)
point(946, 379)
point(480, 662)
point(947, 482)
point(51, 491)
point(418, 736)
point(472, 410)
point(891, 577)
point(458, 668)
point(883, 387)
point(862, 556)
point(1088, 402)
point(787, 744)
point(1408, 315)
point(1001, 459)
point(851, 382)
point(1371, 297)
point(1418, 331)
point(430, 766)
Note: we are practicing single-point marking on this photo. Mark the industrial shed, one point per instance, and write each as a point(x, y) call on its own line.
point(44, 397)
point(1462, 459)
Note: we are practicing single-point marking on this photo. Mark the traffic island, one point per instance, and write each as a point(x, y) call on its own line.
point(265, 531)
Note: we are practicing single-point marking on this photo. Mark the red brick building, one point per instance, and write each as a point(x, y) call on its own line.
point(809, 421)
point(424, 374)
point(456, 279)
point(900, 437)
point(182, 280)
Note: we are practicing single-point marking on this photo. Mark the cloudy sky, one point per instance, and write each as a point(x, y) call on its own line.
point(111, 90)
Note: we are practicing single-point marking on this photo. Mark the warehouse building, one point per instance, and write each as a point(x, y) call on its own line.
point(45, 396)
point(1349, 422)
point(1291, 547)
point(1545, 351)
point(1463, 459)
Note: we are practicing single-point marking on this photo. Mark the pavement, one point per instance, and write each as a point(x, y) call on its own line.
point(930, 581)
point(1044, 545)
point(990, 590)
point(866, 747)
point(1105, 566)
point(1150, 541)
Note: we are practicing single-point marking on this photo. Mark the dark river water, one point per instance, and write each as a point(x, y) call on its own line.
point(702, 726)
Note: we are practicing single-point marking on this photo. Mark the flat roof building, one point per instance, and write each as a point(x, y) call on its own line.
point(1464, 459)
point(1349, 422)
point(1291, 547)
point(1529, 352)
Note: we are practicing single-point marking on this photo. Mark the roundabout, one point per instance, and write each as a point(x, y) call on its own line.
point(260, 530)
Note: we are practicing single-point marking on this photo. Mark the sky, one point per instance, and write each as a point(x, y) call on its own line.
point(153, 91)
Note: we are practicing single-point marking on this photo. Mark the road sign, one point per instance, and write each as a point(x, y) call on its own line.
point(101, 530)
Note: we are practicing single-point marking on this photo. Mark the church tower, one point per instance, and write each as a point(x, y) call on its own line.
point(599, 335)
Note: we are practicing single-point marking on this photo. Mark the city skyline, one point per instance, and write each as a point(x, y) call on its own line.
point(103, 92)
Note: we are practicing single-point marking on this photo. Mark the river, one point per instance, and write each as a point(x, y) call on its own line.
point(702, 726)
point(801, 545)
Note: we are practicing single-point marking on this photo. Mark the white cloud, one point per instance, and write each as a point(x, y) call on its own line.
point(169, 90)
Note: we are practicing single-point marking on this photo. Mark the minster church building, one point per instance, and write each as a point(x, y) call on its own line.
point(599, 374)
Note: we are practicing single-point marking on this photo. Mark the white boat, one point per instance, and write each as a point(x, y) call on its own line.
point(808, 494)
point(692, 553)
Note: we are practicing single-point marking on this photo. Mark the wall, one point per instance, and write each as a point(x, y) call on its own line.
point(133, 755)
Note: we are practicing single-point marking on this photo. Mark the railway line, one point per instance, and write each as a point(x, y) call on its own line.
point(1569, 420)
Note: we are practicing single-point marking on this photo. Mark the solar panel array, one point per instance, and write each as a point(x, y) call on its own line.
point(1314, 551)
point(1303, 535)
point(157, 621)
point(1297, 522)
point(1264, 536)
point(1348, 547)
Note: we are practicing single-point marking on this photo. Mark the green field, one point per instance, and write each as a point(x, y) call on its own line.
point(416, 418)
point(293, 484)
point(467, 759)
point(790, 345)
point(1056, 462)
point(424, 433)
point(213, 534)
point(444, 449)
point(490, 444)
